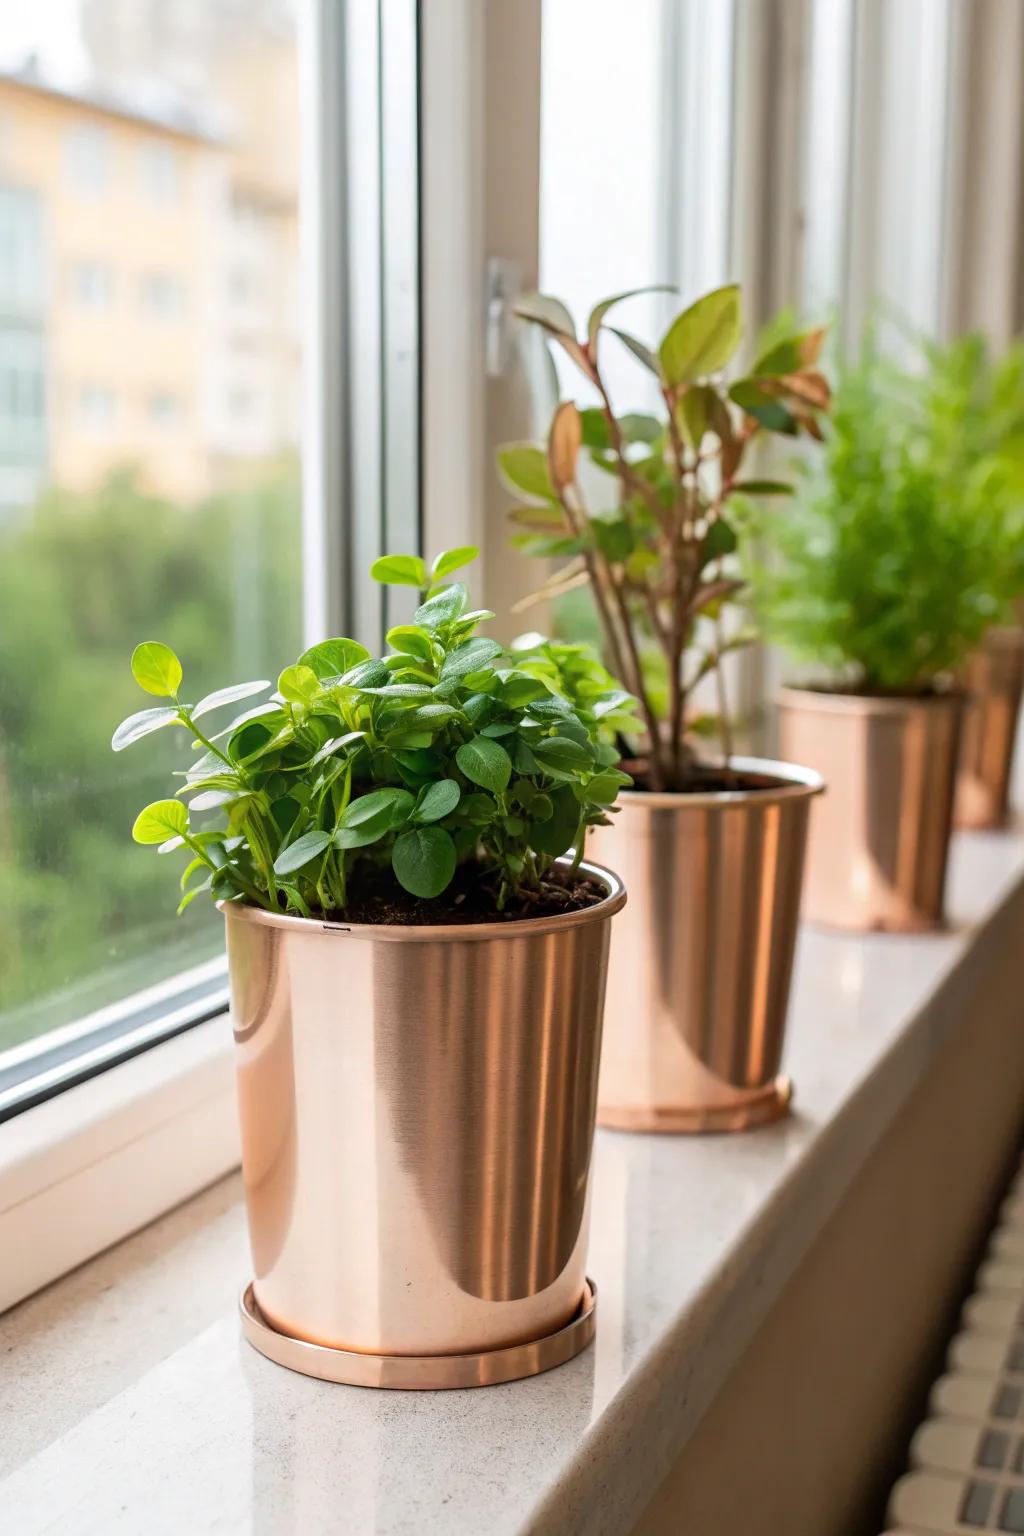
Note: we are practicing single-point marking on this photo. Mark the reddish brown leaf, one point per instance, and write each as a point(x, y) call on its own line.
point(564, 441)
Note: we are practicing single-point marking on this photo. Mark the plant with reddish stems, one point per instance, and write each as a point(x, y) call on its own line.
point(657, 559)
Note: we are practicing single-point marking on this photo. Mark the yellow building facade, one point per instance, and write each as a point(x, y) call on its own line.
point(144, 317)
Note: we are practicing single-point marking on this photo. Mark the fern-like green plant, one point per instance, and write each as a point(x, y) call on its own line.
point(904, 543)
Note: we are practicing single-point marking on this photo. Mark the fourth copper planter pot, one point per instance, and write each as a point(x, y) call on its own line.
point(700, 965)
point(880, 837)
point(993, 680)
point(417, 1113)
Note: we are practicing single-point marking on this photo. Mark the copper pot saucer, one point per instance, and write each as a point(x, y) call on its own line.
point(747, 1109)
point(422, 1373)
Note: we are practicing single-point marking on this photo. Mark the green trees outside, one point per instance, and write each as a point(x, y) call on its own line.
point(87, 917)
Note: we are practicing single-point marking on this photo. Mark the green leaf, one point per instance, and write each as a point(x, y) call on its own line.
point(437, 801)
point(603, 788)
point(790, 354)
point(400, 571)
point(190, 868)
point(227, 696)
point(394, 804)
point(519, 689)
point(614, 537)
point(268, 707)
point(594, 425)
point(298, 684)
point(213, 799)
point(143, 724)
point(719, 540)
point(763, 487)
point(639, 349)
point(452, 560)
point(366, 674)
point(546, 311)
point(524, 468)
point(557, 833)
point(692, 414)
point(639, 428)
point(486, 763)
point(302, 852)
point(763, 407)
point(156, 669)
point(411, 640)
point(443, 607)
point(469, 657)
point(599, 311)
point(423, 860)
point(331, 658)
point(372, 816)
point(190, 896)
point(162, 819)
point(703, 338)
point(562, 752)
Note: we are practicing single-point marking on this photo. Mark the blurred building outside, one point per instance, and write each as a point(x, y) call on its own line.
point(149, 253)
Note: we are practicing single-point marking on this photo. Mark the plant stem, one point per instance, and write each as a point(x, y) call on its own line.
point(186, 720)
point(724, 724)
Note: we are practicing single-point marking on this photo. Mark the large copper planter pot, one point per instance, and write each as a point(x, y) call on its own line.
point(993, 680)
point(880, 838)
point(417, 1114)
point(698, 978)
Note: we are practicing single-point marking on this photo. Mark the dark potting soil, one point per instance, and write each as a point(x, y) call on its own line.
point(923, 692)
point(705, 779)
point(469, 899)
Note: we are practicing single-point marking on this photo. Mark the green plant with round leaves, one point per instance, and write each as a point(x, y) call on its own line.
point(657, 546)
point(906, 541)
point(448, 752)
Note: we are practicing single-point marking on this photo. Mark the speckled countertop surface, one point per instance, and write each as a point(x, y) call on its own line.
point(130, 1404)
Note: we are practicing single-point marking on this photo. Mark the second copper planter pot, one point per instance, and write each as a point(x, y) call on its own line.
point(700, 963)
point(880, 838)
point(993, 679)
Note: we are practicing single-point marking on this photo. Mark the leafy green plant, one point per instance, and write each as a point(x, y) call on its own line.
point(449, 751)
point(906, 543)
point(656, 544)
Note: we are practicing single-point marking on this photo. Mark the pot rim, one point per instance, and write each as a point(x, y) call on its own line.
point(444, 933)
point(799, 783)
point(1002, 637)
point(823, 702)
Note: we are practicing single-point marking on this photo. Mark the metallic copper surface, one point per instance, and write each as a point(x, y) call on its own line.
point(879, 839)
point(993, 680)
point(698, 978)
point(417, 1112)
point(484, 1368)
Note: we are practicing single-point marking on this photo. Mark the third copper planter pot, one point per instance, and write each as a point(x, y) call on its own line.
point(993, 680)
point(699, 972)
point(880, 838)
point(417, 1114)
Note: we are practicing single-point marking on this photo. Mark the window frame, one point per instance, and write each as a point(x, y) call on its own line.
point(99, 1142)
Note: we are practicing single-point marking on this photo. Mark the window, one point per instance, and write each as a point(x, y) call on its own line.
point(244, 285)
point(163, 295)
point(96, 407)
point(159, 173)
point(164, 410)
point(130, 524)
point(152, 512)
point(88, 159)
point(92, 283)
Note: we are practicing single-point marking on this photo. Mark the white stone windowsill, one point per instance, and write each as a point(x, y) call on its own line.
point(129, 1402)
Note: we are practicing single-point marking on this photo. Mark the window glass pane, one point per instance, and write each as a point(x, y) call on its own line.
point(149, 475)
point(602, 216)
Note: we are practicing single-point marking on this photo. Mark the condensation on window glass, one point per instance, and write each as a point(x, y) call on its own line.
point(148, 152)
